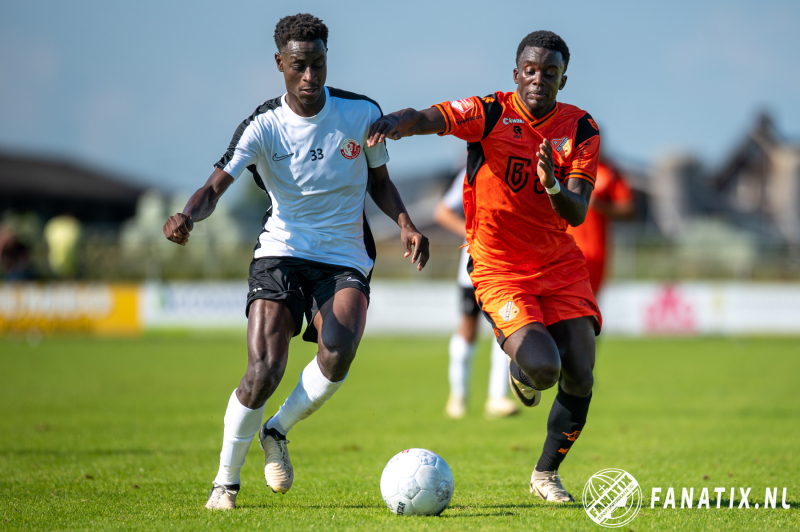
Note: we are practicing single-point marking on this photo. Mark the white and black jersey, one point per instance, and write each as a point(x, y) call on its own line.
point(315, 172)
point(454, 200)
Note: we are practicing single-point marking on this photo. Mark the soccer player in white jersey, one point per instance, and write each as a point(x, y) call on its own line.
point(449, 214)
point(315, 254)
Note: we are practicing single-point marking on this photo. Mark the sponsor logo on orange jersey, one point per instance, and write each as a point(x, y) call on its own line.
point(516, 177)
point(508, 311)
point(460, 121)
point(462, 106)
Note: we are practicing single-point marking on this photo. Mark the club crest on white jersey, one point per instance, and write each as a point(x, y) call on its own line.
point(350, 148)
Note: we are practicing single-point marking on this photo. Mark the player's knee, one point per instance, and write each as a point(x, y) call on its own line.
point(339, 351)
point(545, 375)
point(587, 382)
point(580, 386)
point(259, 382)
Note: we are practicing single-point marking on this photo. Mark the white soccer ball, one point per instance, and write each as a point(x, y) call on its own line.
point(417, 482)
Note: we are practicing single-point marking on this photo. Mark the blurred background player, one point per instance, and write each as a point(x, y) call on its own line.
point(611, 200)
point(16, 262)
point(449, 214)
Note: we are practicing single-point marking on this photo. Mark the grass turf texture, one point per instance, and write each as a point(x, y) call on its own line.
point(125, 434)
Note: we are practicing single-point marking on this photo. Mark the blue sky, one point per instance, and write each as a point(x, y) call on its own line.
point(153, 90)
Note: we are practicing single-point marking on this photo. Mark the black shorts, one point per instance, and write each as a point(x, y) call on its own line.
point(305, 285)
point(469, 303)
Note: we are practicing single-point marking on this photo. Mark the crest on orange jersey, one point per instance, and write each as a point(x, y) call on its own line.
point(562, 145)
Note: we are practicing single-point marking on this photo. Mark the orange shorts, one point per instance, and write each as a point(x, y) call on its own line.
point(511, 299)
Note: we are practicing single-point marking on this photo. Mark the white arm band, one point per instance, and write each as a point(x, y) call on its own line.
point(554, 190)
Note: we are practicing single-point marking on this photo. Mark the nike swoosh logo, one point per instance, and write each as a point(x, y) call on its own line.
point(282, 157)
point(356, 280)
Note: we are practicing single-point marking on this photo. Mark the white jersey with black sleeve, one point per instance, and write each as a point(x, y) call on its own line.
point(454, 200)
point(315, 172)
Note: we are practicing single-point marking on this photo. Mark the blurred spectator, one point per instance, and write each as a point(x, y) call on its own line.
point(15, 257)
point(449, 214)
point(612, 199)
point(63, 235)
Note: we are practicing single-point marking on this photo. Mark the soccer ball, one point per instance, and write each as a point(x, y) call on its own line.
point(417, 482)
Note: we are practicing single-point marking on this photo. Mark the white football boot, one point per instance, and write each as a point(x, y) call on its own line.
point(456, 406)
point(547, 486)
point(222, 497)
point(500, 407)
point(277, 466)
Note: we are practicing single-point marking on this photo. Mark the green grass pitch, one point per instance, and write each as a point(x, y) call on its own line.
point(125, 434)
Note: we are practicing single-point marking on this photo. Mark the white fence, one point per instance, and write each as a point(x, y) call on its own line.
point(632, 309)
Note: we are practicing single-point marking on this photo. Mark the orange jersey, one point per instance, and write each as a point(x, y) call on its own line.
point(510, 222)
point(592, 235)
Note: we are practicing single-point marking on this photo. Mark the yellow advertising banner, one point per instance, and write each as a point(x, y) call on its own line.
point(89, 308)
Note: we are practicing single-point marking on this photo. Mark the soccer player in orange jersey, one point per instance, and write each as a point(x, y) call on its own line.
point(612, 199)
point(531, 168)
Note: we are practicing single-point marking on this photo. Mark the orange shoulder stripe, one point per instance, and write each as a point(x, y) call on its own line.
point(581, 175)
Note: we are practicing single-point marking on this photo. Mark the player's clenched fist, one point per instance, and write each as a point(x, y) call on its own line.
point(177, 228)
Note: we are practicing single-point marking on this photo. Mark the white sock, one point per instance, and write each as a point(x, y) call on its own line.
point(307, 397)
point(461, 353)
point(498, 374)
point(241, 424)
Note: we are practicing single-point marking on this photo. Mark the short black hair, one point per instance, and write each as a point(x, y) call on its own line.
point(545, 39)
point(300, 27)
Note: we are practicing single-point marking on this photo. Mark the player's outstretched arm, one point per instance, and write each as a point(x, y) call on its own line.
point(406, 123)
point(572, 200)
point(199, 207)
point(386, 197)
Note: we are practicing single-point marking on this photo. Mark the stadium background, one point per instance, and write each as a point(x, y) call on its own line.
point(111, 114)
